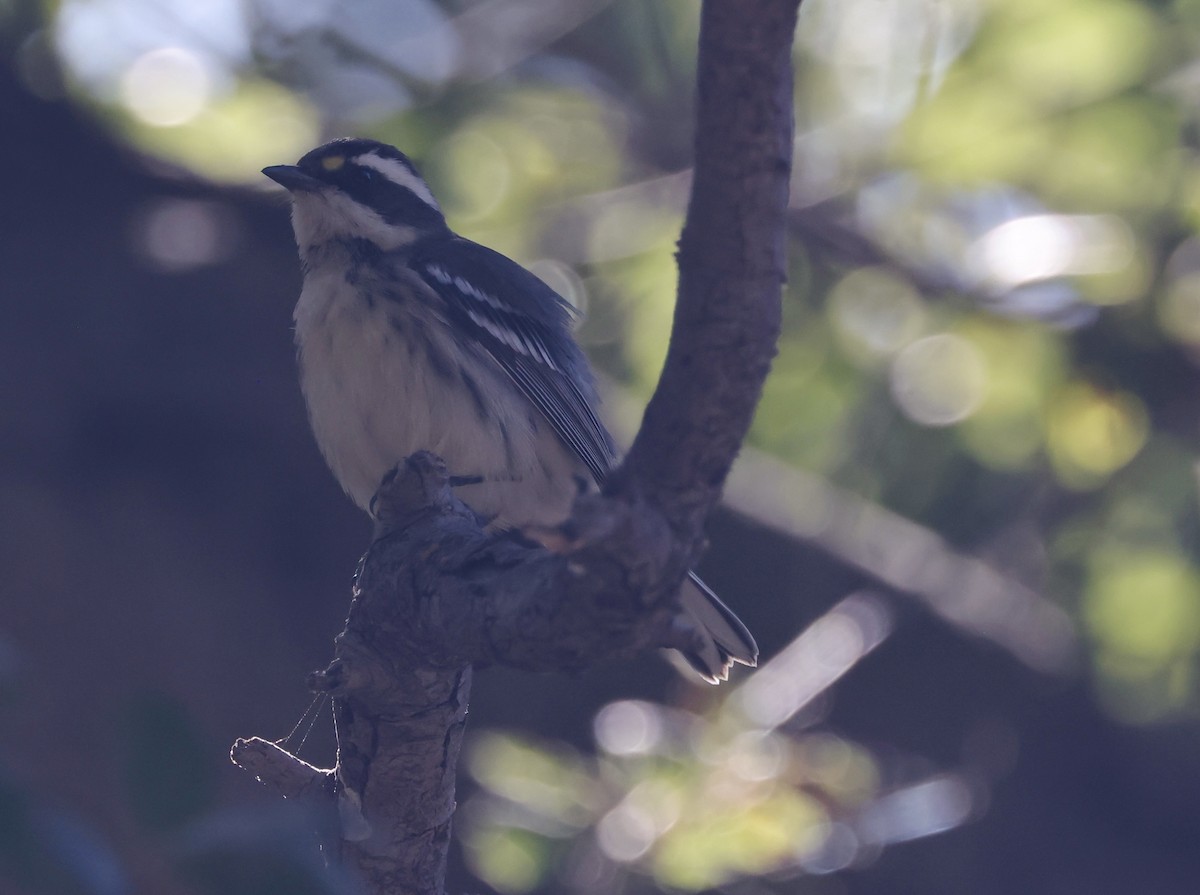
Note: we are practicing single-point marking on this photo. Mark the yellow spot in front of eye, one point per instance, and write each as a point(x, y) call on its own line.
point(333, 162)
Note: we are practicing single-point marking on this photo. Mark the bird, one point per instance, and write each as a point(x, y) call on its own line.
point(410, 337)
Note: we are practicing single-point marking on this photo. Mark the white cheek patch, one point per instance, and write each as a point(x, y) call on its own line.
point(329, 214)
point(398, 173)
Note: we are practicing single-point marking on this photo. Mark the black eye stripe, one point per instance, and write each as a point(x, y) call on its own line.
point(396, 203)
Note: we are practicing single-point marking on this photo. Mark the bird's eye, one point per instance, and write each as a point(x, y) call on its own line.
point(367, 175)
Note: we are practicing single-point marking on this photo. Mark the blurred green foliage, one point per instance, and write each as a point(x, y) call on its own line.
point(168, 769)
point(46, 850)
point(696, 799)
point(991, 325)
point(692, 800)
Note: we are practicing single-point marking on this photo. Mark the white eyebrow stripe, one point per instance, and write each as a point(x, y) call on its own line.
point(397, 172)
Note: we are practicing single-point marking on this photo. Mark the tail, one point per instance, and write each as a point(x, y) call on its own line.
point(726, 641)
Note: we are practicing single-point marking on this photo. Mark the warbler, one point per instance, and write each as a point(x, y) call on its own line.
point(410, 337)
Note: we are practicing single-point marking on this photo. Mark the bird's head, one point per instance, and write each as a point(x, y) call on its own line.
point(358, 189)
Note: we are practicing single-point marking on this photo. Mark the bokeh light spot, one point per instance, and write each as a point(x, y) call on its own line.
point(875, 313)
point(1144, 605)
point(482, 173)
point(234, 137)
point(177, 235)
point(1041, 246)
point(838, 848)
point(1179, 309)
point(166, 87)
point(811, 663)
point(541, 781)
point(922, 809)
point(939, 380)
point(629, 727)
point(840, 768)
point(718, 844)
point(510, 860)
point(1091, 434)
point(563, 279)
point(756, 756)
point(626, 833)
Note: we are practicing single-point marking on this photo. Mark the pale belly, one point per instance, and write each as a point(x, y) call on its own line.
point(375, 396)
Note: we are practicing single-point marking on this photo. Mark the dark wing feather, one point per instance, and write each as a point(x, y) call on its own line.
point(526, 327)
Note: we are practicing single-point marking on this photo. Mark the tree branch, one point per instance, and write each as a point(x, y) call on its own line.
point(732, 264)
point(291, 777)
point(437, 594)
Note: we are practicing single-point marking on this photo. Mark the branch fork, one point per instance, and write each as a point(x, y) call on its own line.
point(437, 594)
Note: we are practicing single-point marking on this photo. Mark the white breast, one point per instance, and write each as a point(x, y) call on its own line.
point(375, 396)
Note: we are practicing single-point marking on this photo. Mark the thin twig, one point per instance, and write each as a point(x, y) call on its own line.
point(277, 768)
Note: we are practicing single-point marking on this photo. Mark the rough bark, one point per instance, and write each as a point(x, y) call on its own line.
point(437, 594)
point(732, 264)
